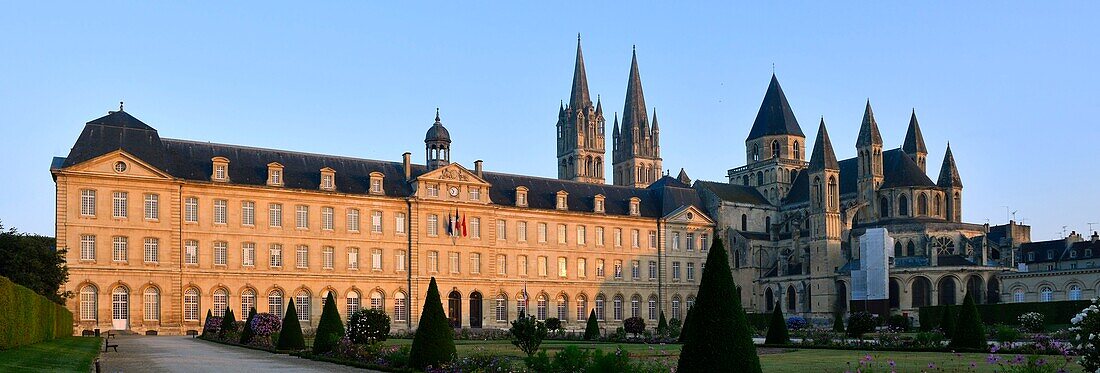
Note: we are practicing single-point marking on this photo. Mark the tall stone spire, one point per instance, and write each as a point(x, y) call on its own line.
point(949, 174)
point(636, 156)
point(580, 131)
point(914, 142)
point(868, 131)
point(823, 156)
point(579, 98)
point(635, 119)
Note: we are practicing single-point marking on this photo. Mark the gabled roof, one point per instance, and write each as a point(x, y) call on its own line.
point(914, 140)
point(868, 131)
point(118, 130)
point(733, 192)
point(900, 171)
point(949, 174)
point(823, 156)
point(775, 116)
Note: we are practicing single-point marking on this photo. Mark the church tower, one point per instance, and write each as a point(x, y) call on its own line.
point(775, 148)
point(637, 151)
point(869, 154)
point(581, 131)
point(914, 143)
point(952, 186)
point(824, 214)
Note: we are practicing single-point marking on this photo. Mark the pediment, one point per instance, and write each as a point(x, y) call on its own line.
point(453, 173)
point(106, 165)
point(688, 214)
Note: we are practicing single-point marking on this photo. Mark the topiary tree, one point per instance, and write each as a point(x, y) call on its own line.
point(860, 323)
point(947, 323)
point(684, 327)
point(434, 342)
point(206, 329)
point(553, 324)
point(969, 332)
point(290, 338)
point(634, 325)
point(662, 326)
point(246, 331)
point(368, 326)
point(838, 322)
point(592, 330)
point(527, 334)
point(229, 324)
point(777, 328)
point(717, 335)
point(330, 329)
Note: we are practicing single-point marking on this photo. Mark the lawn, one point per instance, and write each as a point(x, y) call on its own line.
point(70, 354)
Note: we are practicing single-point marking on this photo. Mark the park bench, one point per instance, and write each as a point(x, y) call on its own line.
point(107, 343)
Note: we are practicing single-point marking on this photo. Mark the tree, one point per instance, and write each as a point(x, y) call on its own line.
point(592, 330)
point(684, 327)
point(838, 322)
point(434, 342)
point(969, 331)
point(246, 331)
point(330, 329)
point(634, 325)
point(229, 324)
point(206, 324)
point(290, 338)
point(717, 335)
point(35, 262)
point(368, 326)
point(527, 334)
point(553, 324)
point(947, 323)
point(777, 328)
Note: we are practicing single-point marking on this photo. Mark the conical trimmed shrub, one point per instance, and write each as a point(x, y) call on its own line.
point(684, 328)
point(246, 331)
point(229, 324)
point(718, 337)
point(205, 322)
point(662, 325)
point(777, 328)
point(290, 337)
point(330, 329)
point(592, 330)
point(969, 331)
point(434, 342)
point(838, 322)
point(947, 323)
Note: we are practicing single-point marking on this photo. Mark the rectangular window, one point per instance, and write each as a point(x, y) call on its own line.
point(475, 194)
point(502, 230)
point(301, 217)
point(219, 211)
point(475, 263)
point(675, 271)
point(600, 268)
point(563, 270)
point(691, 271)
point(399, 223)
point(599, 236)
point(635, 270)
point(703, 238)
point(433, 190)
point(353, 258)
point(191, 210)
point(521, 199)
point(433, 261)
point(219, 172)
point(399, 261)
point(475, 228)
point(582, 267)
point(562, 239)
point(353, 220)
point(582, 234)
point(376, 222)
point(652, 239)
point(455, 264)
point(248, 213)
point(521, 231)
point(522, 263)
point(275, 215)
point(376, 186)
point(87, 202)
point(302, 256)
point(326, 182)
point(542, 232)
point(618, 237)
point(675, 241)
point(119, 205)
point(376, 259)
point(326, 257)
point(248, 254)
point(502, 264)
point(634, 238)
point(119, 246)
point(433, 225)
point(652, 270)
point(87, 247)
point(276, 256)
point(542, 266)
point(618, 269)
point(152, 246)
point(220, 248)
point(326, 218)
point(276, 177)
point(690, 242)
point(152, 207)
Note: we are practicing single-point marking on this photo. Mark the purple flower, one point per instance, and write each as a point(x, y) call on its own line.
point(892, 363)
point(995, 348)
point(1018, 359)
point(931, 365)
point(867, 358)
point(1041, 362)
point(973, 365)
point(992, 359)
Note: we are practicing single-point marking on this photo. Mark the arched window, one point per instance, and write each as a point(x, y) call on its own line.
point(617, 307)
point(1018, 295)
point(797, 155)
point(377, 301)
point(775, 149)
point(221, 301)
point(744, 222)
point(540, 307)
point(152, 304)
point(895, 294)
point(563, 308)
point(903, 206)
point(676, 308)
point(502, 307)
point(955, 208)
point(791, 299)
point(600, 307)
point(816, 192)
point(841, 296)
point(352, 303)
point(833, 199)
point(653, 307)
point(936, 209)
point(1075, 292)
point(275, 303)
point(745, 180)
point(975, 286)
point(1046, 294)
point(521, 304)
point(400, 307)
point(690, 301)
point(911, 248)
point(922, 205)
point(248, 301)
point(897, 248)
point(769, 299)
point(755, 152)
point(794, 173)
point(120, 303)
point(767, 224)
point(884, 208)
point(302, 305)
point(759, 178)
point(635, 306)
point(582, 307)
point(191, 305)
point(993, 291)
point(89, 303)
point(947, 291)
point(921, 292)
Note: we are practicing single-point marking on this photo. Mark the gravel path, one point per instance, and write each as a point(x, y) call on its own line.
point(186, 354)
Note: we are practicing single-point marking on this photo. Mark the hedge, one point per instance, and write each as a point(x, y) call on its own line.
point(27, 318)
point(1059, 312)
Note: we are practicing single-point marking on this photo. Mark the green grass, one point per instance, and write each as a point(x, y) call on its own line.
point(69, 354)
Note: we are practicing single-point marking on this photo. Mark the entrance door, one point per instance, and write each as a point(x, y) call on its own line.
point(454, 309)
point(475, 310)
point(120, 308)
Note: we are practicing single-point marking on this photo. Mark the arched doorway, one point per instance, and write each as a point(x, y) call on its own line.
point(993, 291)
point(895, 294)
point(976, 289)
point(946, 289)
point(791, 299)
point(841, 297)
point(769, 299)
point(475, 310)
point(922, 292)
point(454, 309)
point(120, 308)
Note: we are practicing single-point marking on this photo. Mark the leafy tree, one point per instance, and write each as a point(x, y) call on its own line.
point(717, 335)
point(777, 328)
point(553, 324)
point(434, 342)
point(330, 329)
point(35, 262)
point(674, 326)
point(838, 322)
point(229, 324)
point(246, 331)
point(527, 334)
point(969, 332)
point(634, 325)
point(592, 330)
point(290, 338)
point(368, 326)
point(947, 323)
point(662, 326)
point(860, 323)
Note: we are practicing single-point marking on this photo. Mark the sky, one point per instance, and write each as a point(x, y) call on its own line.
point(1013, 86)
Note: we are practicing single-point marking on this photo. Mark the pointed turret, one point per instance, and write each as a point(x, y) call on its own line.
point(615, 131)
point(823, 157)
point(949, 174)
point(635, 120)
point(868, 131)
point(683, 177)
point(599, 106)
point(775, 116)
point(914, 142)
point(579, 97)
point(655, 130)
point(561, 109)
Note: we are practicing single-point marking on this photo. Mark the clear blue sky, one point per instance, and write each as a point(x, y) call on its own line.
point(1012, 85)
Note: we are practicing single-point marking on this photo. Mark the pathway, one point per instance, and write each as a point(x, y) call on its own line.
point(186, 354)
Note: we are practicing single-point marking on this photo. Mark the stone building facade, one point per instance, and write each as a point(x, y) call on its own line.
point(1055, 270)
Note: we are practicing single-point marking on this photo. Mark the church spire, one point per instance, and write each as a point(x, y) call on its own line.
point(914, 140)
point(775, 116)
point(868, 131)
point(579, 97)
point(823, 156)
point(634, 111)
point(599, 106)
point(949, 174)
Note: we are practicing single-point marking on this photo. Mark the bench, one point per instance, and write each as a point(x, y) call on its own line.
point(107, 343)
point(192, 333)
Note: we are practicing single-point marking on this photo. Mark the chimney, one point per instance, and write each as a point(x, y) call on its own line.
point(477, 168)
point(407, 162)
point(1073, 238)
point(1095, 236)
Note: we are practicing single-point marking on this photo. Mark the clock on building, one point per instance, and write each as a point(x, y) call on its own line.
point(454, 191)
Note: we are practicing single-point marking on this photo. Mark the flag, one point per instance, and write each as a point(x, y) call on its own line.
point(463, 225)
point(454, 224)
point(450, 227)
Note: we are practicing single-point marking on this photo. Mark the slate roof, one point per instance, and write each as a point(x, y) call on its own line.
point(437, 132)
point(117, 130)
point(868, 130)
point(914, 140)
point(734, 192)
point(1061, 252)
point(775, 116)
point(823, 156)
point(898, 171)
point(578, 97)
point(949, 174)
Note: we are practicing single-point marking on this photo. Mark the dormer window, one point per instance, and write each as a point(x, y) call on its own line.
point(376, 182)
point(562, 201)
point(274, 174)
point(221, 169)
point(598, 204)
point(328, 179)
point(1073, 254)
point(634, 206)
point(521, 196)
